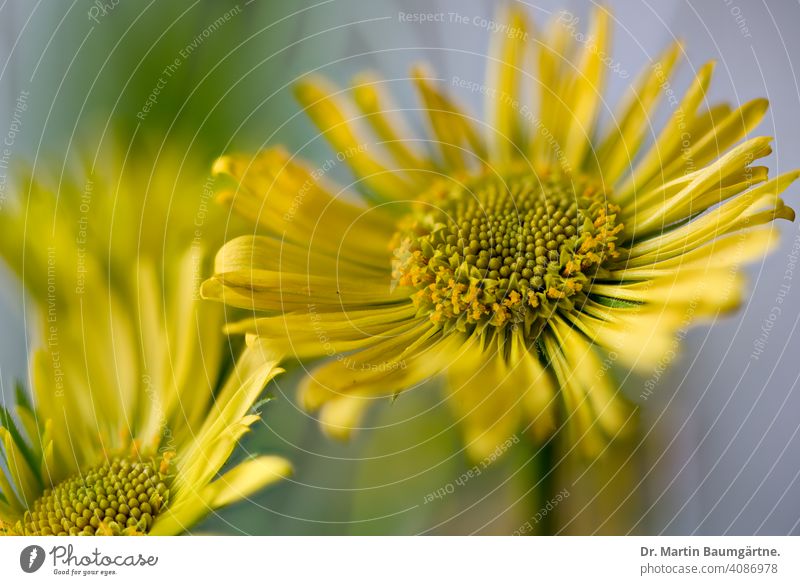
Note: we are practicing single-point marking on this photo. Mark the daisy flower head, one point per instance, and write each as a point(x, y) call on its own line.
point(131, 420)
point(519, 256)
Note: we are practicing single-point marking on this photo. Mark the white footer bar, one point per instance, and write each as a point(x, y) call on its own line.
point(401, 560)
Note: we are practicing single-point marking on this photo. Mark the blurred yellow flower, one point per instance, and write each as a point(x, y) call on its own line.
point(130, 421)
point(535, 251)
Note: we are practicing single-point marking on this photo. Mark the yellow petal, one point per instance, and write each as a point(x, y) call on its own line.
point(748, 210)
point(710, 144)
point(538, 388)
point(385, 369)
point(712, 289)
point(313, 333)
point(631, 125)
point(285, 291)
point(10, 495)
point(505, 71)
point(587, 90)
point(267, 253)
point(729, 251)
point(669, 140)
point(182, 515)
point(485, 396)
point(340, 417)
point(555, 77)
point(641, 338)
point(23, 476)
point(732, 163)
point(256, 366)
point(319, 99)
point(456, 137)
point(247, 478)
point(294, 201)
point(585, 437)
point(385, 120)
point(610, 409)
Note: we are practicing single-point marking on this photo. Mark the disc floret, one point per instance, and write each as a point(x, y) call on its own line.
point(124, 495)
point(504, 250)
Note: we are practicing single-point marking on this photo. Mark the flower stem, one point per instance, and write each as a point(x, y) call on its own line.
point(540, 481)
point(546, 461)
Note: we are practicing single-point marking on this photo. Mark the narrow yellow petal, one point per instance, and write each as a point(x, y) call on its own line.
point(313, 333)
point(712, 143)
point(505, 73)
point(318, 98)
point(270, 254)
point(485, 397)
point(383, 369)
point(24, 477)
point(639, 337)
point(586, 94)
point(669, 141)
point(10, 495)
point(538, 388)
point(742, 212)
point(270, 289)
point(710, 290)
point(294, 201)
point(733, 162)
point(179, 517)
point(586, 437)
point(200, 461)
point(247, 478)
point(632, 124)
point(610, 409)
point(729, 251)
point(555, 77)
point(385, 120)
point(340, 417)
point(459, 142)
point(30, 427)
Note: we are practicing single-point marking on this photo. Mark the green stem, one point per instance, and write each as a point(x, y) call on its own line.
point(546, 460)
point(541, 478)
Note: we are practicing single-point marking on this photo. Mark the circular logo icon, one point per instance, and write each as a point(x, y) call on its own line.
point(31, 558)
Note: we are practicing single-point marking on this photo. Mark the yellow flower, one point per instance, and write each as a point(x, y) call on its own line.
point(522, 259)
point(129, 425)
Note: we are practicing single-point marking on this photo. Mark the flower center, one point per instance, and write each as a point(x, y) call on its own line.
point(503, 250)
point(122, 496)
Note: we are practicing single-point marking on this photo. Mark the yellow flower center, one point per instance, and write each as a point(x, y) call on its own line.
point(122, 496)
point(502, 250)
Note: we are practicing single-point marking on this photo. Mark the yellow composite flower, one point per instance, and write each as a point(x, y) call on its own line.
point(520, 257)
point(128, 426)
